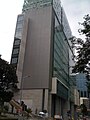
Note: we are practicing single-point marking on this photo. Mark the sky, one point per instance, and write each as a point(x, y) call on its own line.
point(9, 9)
point(75, 11)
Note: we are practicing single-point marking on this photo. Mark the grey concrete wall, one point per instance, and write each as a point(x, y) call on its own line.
point(22, 52)
point(33, 99)
point(38, 49)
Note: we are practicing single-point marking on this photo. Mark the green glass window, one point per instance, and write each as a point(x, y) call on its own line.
point(35, 4)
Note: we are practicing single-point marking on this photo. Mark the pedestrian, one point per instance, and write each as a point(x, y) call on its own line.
point(61, 118)
point(69, 115)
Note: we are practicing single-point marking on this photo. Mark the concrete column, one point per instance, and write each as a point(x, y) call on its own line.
point(49, 103)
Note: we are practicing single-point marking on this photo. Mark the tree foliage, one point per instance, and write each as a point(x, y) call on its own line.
point(83, 48)
point(8, 81)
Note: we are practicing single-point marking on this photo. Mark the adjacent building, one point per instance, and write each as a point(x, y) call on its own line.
point(41, 54)
point(81, 82)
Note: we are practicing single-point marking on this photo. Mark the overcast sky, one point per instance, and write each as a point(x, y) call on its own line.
point(9, 9)
point(75, 11)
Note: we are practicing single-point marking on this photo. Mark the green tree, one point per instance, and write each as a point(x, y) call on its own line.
point(82, 48)
point(8, 81)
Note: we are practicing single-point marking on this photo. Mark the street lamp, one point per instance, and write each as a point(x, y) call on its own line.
point(21, 87)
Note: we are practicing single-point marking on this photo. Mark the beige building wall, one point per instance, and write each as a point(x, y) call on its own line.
point(37, 53)
point(33, 99)
point(22, 52)
point(35, 59)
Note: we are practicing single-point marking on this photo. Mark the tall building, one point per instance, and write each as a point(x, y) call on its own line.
point(81, 82)
point(41, 56)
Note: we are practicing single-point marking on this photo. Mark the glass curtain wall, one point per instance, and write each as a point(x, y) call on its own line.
point(35, 4)
point(62, 33)
point(61, 54)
